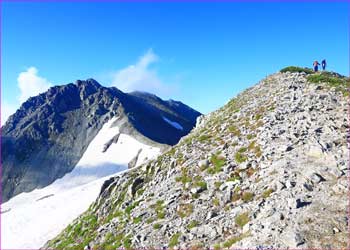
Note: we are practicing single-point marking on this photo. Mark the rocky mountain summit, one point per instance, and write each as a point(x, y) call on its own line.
point(48, 135)
point(267, 170)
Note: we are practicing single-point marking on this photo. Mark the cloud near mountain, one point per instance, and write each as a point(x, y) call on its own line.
point(141, 76)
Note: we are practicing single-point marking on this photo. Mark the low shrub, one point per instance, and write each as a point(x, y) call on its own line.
point(192, 224)
point(247, 196)
point(267, 193)
point(242, 219)
point(294, 69)
point(174, 240)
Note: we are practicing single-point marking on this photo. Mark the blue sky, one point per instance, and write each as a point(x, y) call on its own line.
point(202, 54)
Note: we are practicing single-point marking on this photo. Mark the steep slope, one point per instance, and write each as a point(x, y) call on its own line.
point(47, 136)
point(30, 219)
point(269, 169)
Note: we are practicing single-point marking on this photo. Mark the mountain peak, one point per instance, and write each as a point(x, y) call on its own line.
point(90, 82)
point(87, 87)
point(49, 133)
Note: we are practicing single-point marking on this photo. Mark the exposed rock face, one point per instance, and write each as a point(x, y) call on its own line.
point(269, 169)
point(47, 136)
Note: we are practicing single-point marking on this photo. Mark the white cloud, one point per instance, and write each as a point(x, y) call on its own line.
point(141, 76)
point(7, 109)
point(30, 84)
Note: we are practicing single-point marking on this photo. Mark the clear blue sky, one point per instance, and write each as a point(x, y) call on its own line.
point(207, 52)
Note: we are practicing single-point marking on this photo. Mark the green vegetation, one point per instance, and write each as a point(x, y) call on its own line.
point(192, 224)
point(174, 240)
point(242, 219)
point(129, 208)
point(195, 196)
point(239, 157)
point(159, 209)
point(111, 241)
point(150, 220)
point(242, 150)
point(112, 215)
point(217, 247)
point(217, 184)
point(216, 202)
point(77, 229)
point(137, 220)
point(247, 196)
point(140, 191)
point(294, 69)
point(161, 215)
point(91, 220)
point(172, 151)
point(157, 226)
point(267, 193)
point(234, 130)
point(341, 84)
point(234, 240)
point(234, 178)
point(271, 108)
point(227, 207)
point(204, 138)
point(184, 178)
point(218, 162)
point(188, 140)
point(159, 203)
point(180, 158)
point(202, 185)
point(325, 77)
point(127, 242)
point(258, 116)
point(250, 136)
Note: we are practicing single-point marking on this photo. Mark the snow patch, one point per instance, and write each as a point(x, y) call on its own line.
point(172, 123)
point(29, 220)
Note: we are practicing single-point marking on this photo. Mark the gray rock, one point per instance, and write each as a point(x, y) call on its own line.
point(203, 163)
point(211, 214)
point(316, 178)
point(196, 190)
point(336, 172)
point(293, 239)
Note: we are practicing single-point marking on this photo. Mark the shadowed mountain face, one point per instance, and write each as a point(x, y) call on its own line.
point(47, 136)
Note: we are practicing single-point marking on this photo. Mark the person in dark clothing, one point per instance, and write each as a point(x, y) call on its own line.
point(316, 63)
point(324, 64)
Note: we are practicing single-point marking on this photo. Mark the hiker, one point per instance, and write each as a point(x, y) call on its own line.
point(316, 63)
point(324, 64)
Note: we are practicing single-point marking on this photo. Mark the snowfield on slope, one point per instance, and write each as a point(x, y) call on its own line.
point(29, 220)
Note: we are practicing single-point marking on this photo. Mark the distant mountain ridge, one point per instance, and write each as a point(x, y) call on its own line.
point(47, 136)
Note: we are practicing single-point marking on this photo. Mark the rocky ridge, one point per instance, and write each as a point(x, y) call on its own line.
point(267, 170)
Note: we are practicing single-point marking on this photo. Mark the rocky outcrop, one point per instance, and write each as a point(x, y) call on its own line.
point(267, 170)
point(48, 135)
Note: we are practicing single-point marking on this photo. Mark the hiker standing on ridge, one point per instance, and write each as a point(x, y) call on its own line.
point(324, 64)
point(316, 63)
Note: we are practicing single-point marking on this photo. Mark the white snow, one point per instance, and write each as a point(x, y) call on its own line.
point(29, 220)
point(172, 123)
